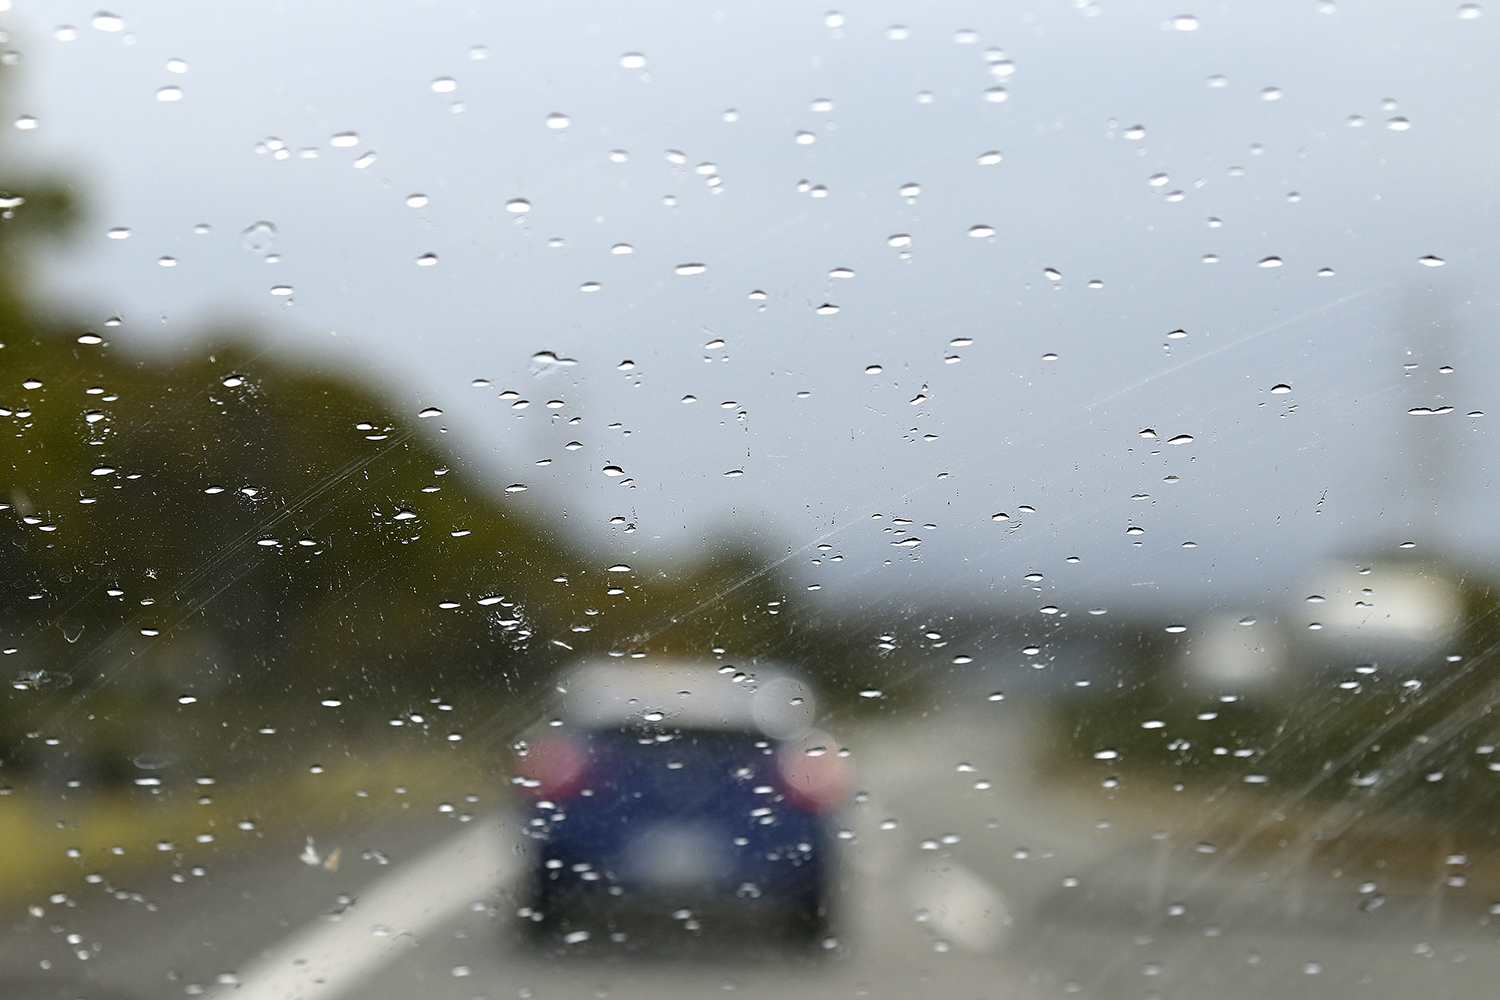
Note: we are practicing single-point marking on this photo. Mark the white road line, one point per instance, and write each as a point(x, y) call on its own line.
point(326, 958)
point(961, 906)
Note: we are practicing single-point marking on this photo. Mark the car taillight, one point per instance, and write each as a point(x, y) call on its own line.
point(814, 778)
point(552, 768)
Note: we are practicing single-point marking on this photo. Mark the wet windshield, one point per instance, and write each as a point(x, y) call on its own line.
point(565, 501)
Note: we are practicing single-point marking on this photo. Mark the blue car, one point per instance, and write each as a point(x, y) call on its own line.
point(674, 804)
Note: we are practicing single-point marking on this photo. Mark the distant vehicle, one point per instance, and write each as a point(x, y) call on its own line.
point(679, 804)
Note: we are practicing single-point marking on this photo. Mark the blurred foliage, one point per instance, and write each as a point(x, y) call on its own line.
point(193, 551)
point(1395, 744)
point(227, 562)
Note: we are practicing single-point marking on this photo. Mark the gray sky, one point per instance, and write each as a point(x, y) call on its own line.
point(1269, 481)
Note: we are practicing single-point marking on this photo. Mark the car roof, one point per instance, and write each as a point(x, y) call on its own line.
point(688, 693)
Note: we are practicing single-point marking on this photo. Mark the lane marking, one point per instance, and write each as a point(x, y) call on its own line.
point(961, 906)
point(326, 958)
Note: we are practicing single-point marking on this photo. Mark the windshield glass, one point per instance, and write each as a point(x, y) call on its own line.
point(944, 499)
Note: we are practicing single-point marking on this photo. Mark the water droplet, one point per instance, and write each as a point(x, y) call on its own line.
point(805, 138)
point(826, 309)
point(173, 93)
point(1106, 754)
point(281, 290)
point(734, 473)
point(1181, 439)
point(105, 21)
point(416, 200)
point(1158, 180)
point(613, 471)
point(899, 240)
point(1210, 258)
point(1326, 272)
point(26, 122)
point(910, 191)
point(1271, 94)
point(444, 85)
point(981, 231)
point(1184, 22)
point(1052, 274)
point(516, 488)
point(1281, 388)
point(990, 158)
point(633, 60)
point(118, 233)
point(996, 95)
point(1270, 262)
point(545, 362)
point(343, 140)
point(1469, 11)
point(427, 260)
point(833, 19)
point(691, 268)
point(590, 286)
point(258, 237)
point(65, 33)
point(1431, 261)
point(1398, 124)
point(518, 206)
point(558, 120)
point(431, 411)
point(621, 249)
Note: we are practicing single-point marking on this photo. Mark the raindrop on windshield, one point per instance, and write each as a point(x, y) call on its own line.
point(258, 237)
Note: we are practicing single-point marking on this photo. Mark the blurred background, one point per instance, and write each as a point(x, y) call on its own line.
point(1088, 399)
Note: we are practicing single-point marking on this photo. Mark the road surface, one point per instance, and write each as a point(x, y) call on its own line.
point(967, 877)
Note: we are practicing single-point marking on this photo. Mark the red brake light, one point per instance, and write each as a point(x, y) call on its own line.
point(815, 778)
point(552, 768)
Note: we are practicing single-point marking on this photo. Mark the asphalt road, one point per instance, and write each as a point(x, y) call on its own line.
point(965, 879)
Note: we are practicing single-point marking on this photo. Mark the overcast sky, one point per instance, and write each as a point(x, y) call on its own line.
point(958, 378)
